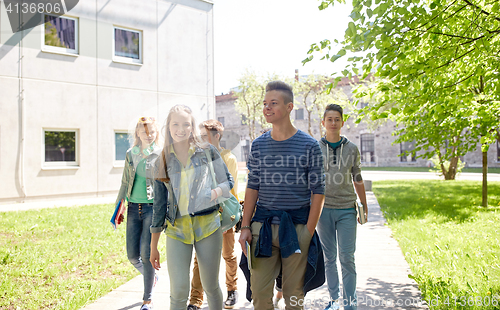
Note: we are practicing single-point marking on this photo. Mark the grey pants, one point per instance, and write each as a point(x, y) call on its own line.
point(208, 253)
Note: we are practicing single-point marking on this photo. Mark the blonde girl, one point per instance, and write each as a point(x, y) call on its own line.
point(137, 189)
point(185, 207)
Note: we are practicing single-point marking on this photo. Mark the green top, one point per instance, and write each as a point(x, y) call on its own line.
point(139, 194)
point(336, 144)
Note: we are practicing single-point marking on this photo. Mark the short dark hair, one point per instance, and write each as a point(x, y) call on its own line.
point(334, 107)
point(283, 88)
point(213, 126)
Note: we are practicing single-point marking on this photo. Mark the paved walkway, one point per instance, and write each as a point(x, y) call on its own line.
point(382, 276)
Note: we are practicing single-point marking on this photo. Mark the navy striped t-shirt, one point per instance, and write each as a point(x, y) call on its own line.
point(287, 172)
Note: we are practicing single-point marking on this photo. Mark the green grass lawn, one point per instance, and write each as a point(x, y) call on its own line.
point(451, 243)
point(61, 258)
point(425, 169)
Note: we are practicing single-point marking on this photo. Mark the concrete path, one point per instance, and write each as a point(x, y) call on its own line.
point(382, 276)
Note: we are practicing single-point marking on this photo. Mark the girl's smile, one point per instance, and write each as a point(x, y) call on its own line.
point(180, 126)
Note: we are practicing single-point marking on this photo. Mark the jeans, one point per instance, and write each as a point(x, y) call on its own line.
point(139, 217)
point(179, 254)
point(338, 227)
point(196, 296)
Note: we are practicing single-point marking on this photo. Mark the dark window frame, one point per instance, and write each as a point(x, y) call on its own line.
point(498, 151)
point(120, 151)
point(299, 115)
point(52, 157)
point(74, 51)
point(140, 49)
point(221, 120)
point(405, 150)
point(367, 143)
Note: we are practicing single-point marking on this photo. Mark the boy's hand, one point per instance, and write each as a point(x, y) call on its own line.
point(311, 229)
point(365, 209)
point(245, 235)
point(155, 258)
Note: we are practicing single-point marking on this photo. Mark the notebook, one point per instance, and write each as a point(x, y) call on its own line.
point(361, 213)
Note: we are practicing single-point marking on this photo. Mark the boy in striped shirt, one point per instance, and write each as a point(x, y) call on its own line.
point(286, 189)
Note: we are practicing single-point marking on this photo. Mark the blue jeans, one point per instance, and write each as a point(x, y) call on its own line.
point(338, 227)
point(208, 254)
point(139, 217)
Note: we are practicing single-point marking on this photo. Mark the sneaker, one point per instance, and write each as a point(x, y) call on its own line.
point(232, 299)
point(333, 305)
point(146, 307)
point(193, 307)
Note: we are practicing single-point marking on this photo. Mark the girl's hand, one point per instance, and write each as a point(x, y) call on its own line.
point(215, 193)
point(155, 258)
point(120, 219)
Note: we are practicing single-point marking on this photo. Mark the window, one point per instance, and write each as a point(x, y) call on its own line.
point(367, 148)
point(245, 150)
point(243, 119)
point(122, 144)
point(60, 147)
point(60, 35)
point(299, 114)
point(406, 149)
point(127, 45)
point(221, 120)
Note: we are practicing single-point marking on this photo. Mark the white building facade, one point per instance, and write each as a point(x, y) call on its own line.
point(70, 90)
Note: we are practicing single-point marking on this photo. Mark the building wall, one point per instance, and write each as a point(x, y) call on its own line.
point(93, 94)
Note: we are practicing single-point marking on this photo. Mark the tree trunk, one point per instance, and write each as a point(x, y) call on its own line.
point(309, 123)
point(452, 169)
point(485, 180)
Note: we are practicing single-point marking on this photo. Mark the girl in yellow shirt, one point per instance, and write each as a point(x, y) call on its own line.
point(185, 208)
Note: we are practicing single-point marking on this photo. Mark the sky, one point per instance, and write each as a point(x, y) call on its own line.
point(273, 36)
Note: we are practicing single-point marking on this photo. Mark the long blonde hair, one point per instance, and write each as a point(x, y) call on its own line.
point(145, 121)
point(193, 139)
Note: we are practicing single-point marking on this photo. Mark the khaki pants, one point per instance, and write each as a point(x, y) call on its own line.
point(196, 297)
point(266, 269)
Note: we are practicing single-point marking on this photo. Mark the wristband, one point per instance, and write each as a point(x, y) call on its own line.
point(217, 195)
point(246, 227)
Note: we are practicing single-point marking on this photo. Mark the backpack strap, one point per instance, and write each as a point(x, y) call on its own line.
point(210, 164)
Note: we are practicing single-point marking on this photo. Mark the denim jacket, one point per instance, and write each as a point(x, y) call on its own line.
point(131, 162)
point(315, 270)
point(165, 206)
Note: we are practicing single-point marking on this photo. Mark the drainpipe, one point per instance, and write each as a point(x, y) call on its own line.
point(22, 118)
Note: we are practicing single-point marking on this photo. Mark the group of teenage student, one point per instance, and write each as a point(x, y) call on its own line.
point(295, 186)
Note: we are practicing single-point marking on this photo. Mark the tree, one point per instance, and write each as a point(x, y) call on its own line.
point(311, 94)
point(434, 54)
point(250, 94)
